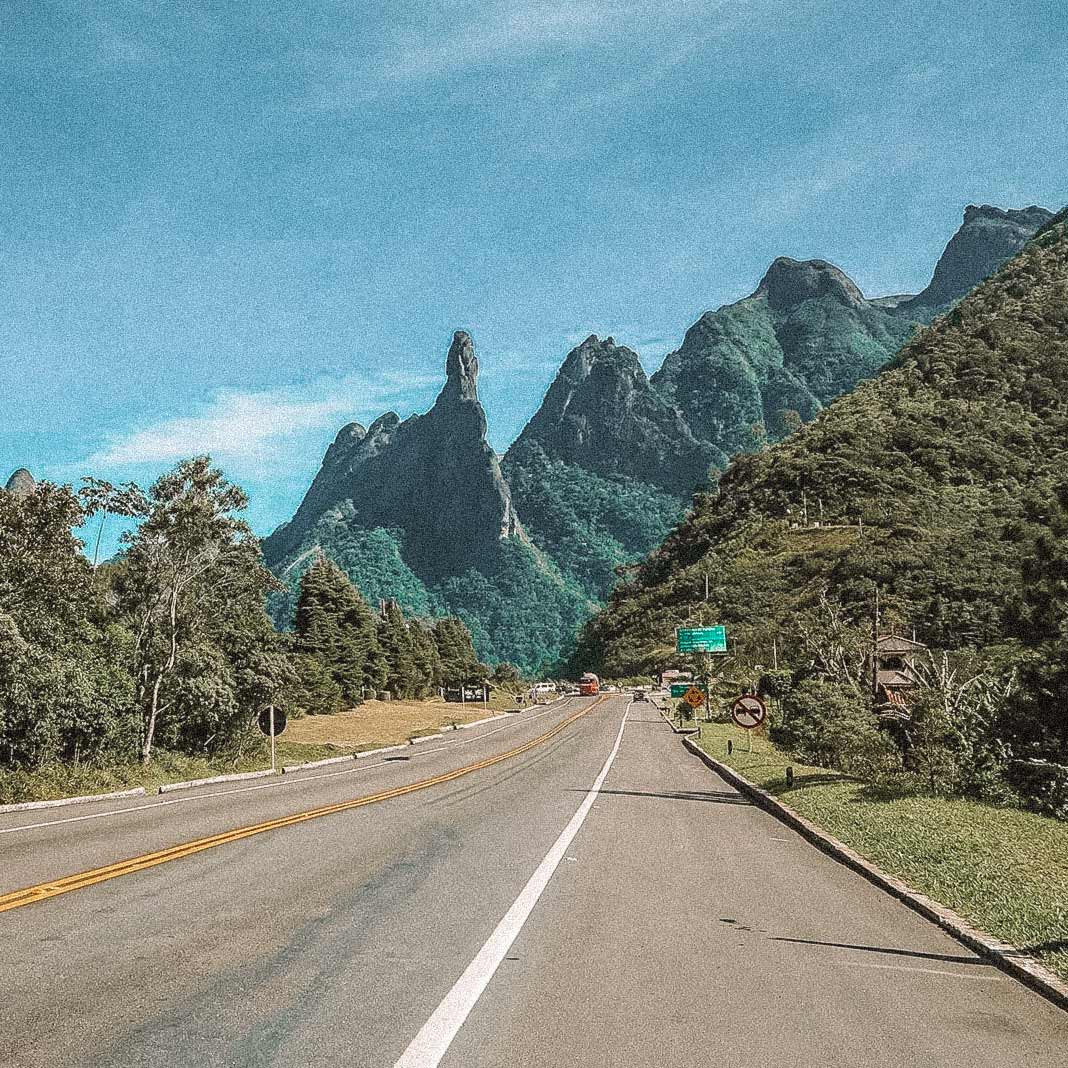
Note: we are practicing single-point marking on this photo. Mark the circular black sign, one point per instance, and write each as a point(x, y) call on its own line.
point(279, 722)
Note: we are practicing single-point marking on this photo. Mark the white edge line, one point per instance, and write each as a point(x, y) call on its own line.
point(280, 781)
point(26, 806)
point(436, 1035)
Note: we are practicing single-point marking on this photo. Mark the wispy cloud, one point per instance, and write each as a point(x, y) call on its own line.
point(255, 432)
point(465, 35)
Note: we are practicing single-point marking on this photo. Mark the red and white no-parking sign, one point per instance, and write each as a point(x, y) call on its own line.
point(749, 711)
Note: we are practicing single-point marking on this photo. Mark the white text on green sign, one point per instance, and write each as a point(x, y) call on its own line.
point(701, 639)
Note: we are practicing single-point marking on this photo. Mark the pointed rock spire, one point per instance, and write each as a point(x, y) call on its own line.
point(461, 368)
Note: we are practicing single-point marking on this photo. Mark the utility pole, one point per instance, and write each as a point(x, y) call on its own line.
point(706, 585)
point(875, 649)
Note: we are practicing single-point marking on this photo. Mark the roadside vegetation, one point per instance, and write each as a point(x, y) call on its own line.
point(154, 666)
point(1002, 868)
point(930, 503)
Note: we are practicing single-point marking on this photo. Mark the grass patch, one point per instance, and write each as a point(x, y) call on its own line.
point(1004, 869)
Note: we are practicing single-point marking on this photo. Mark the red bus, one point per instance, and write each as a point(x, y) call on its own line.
point(589, 684)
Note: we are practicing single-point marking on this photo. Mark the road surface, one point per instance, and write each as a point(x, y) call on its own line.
point(512, 915)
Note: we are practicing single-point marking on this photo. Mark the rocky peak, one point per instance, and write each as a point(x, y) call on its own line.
point(601, 413)
point(432, 477)
point(461, 369)
point(789, 282)
point(21, 483)
point(986, 239)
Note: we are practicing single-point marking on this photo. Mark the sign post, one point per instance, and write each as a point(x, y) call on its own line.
point(749, 712)
point(272, 724)
point(702, 642)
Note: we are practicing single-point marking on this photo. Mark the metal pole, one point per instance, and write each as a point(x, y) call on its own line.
point(272, 736)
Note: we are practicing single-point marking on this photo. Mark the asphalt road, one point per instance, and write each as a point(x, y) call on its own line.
point(507, 917)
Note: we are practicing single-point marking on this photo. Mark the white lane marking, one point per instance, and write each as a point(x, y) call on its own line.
point(436, 1035)
point(292, 781)
point(989, 976)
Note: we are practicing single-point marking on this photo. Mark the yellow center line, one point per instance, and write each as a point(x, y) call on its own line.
point(54, 887)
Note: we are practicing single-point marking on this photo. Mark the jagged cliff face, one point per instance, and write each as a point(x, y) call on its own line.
point(986, 239)
point(433, 477)
point(757, 368)
point(418, 511)
point(602, 414)
point(21, 483)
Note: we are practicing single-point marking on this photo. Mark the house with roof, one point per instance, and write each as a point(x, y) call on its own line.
point(894, 673)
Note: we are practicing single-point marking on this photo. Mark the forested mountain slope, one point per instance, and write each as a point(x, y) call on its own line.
point(935, 481)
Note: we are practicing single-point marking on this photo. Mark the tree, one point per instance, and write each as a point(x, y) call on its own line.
point(97, 495)
point(335, 625)
point(426, 657)
point(64, 692)
point(395, 640)
point(459, 661)
point(193, 586)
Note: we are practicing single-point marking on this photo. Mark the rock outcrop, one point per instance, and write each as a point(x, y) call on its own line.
point(21, 483)
point(754, 369)
point(602, 414)
point(986, 239)
point(433, 477)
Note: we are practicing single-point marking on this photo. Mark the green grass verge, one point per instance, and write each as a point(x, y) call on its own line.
point(1003, 869)
point(72, 780)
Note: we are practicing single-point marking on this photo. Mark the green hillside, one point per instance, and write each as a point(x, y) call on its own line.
point(938, 484)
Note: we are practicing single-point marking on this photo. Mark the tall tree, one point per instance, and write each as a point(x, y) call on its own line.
point(459, 661)
point(193, 587)
point(335, 625)
point(397, 646)
point(63, 691)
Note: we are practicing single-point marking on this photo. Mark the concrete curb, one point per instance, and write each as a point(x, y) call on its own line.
point(170, 787)
point(479, 722)
point(424, 738)
point(384, 749)
point(288, 769)
point(29, 806)
point(1007, 957)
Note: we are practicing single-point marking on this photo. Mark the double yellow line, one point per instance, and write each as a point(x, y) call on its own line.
point(43, 891)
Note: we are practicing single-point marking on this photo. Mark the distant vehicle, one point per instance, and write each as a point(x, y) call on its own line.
point(543, 687)
point(639, 695)
point(589, 684)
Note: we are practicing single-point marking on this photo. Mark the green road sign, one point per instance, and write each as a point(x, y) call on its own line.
point(701, 639)
point(679, 689)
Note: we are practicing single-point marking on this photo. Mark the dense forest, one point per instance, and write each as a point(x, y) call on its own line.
point(937, 491)
point(169, 646)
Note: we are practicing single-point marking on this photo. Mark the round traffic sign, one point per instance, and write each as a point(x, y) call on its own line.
point(265, 722)
point(749, 711)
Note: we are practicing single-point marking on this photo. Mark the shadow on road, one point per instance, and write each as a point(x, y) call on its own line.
point(722, 797)
point(953, 959)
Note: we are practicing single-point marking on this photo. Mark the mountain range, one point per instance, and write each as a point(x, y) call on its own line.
point(941, 483)
point(524, 548)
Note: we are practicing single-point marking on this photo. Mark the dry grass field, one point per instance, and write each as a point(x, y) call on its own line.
point(377, 723)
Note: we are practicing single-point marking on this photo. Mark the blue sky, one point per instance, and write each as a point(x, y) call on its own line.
point(233, 227)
